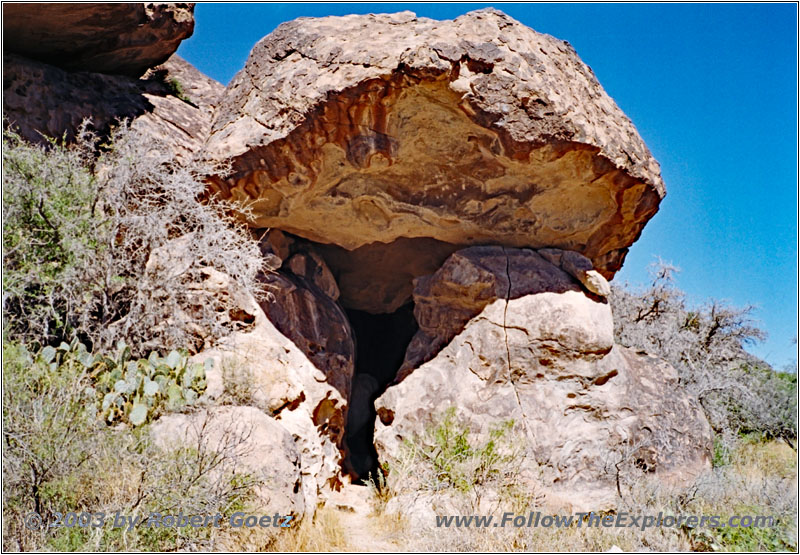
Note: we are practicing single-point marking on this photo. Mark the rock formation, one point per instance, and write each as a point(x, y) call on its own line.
point(440, 206)
point(88, 61)
point(507, 335)
point(295, 364)
point(472, 131)
point(412, 140)
point(119, 38)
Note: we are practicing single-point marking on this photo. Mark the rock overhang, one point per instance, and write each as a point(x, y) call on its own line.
point(467, 132)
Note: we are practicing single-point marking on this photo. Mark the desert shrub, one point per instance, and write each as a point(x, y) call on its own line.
point(175, 87)
point(460, 467)
point(48, 195)
point(238, 380)
point(706, 344)
point(59, 456)
point(112, 242)
point(453, 459)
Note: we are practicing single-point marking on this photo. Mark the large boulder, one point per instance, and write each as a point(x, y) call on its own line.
point(472, 131)
point(507, 335)
point(119, 38)
point(242, 440)
point(173, 103)
point(470, 279)
point(295, 363)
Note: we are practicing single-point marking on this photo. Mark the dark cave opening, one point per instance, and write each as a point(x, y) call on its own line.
point(381, 342)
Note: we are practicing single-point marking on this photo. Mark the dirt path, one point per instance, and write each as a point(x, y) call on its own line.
point(361, 527)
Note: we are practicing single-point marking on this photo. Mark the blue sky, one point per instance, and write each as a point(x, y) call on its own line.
point(712, 89)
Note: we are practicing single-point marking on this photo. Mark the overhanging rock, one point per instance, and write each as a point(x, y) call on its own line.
point(472, 131)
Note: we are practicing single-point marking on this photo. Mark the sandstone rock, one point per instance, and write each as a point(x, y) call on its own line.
point(472, 131)
point(378, 277)
point(43, 99)
point(249, 442)
point(182, 115)
point(302, 311)
point(275, 246)
point(516, 338)
point(313, 268)
point(39, 99)
point(124, 38)
point(295, 364)
point(579, 267)
point(472, 278)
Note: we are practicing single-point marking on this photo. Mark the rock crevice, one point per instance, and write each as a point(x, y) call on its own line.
point(552, 367)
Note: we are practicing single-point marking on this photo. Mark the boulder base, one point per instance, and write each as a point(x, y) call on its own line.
point(507, 335)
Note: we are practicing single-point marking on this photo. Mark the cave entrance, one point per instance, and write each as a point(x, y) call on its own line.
point(381, 342)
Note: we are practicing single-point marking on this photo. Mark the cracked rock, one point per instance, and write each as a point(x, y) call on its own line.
point(505, 334)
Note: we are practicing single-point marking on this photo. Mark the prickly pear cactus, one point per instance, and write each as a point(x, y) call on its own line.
point(133, 391)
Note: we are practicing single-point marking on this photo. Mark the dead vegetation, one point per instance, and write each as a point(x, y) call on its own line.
point(111, 242)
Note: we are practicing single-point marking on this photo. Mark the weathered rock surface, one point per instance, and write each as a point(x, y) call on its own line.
point(249, 442)
point(379, 277)
point(295, 364)
point(303, 311)
point(472, 131)
point(182, 115)
point(213, 304)
point(123, 38)
point(511, 336)
point(40, 99)
point(472, 278)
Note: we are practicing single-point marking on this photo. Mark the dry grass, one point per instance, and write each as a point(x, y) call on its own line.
point(324, 533)
point(761, 480)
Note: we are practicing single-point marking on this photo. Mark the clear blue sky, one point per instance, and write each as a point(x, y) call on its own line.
point(712, 88)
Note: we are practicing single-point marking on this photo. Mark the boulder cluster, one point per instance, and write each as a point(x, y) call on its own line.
point(441, 204)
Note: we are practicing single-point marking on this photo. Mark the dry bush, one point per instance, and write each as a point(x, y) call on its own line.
point(759, 481)
point(706, 344)
point(237, 378)
point(431, 478)
point(118, 245)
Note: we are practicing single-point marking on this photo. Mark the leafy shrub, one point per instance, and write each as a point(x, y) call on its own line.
point(116, 245)
point(59, 456)
point(750, 539)
point(48, 200)
point(447, 457)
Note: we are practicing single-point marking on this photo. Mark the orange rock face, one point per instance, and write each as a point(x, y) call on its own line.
point(472, 131)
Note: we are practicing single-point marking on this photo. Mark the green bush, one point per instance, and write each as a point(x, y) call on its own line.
point(49, 196)
point(751, 539)
point(60, 456)
point(176, 88)
point(457, 461)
